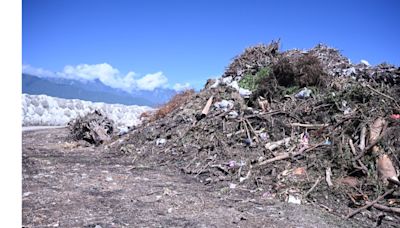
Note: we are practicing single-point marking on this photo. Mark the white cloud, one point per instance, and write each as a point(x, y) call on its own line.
point(104, 72)
point(28, 69)
point(180, 87)
point(152, 81)
point(107, 74)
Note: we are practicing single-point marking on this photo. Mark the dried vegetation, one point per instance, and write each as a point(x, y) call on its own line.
point(334, 144)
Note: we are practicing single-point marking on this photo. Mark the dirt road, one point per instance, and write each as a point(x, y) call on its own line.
point(69, 185)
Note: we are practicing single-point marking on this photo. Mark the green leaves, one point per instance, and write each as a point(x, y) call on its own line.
point(251, 82)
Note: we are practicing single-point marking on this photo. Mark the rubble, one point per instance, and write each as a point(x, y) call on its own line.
point(271, 132)
point(94, 128)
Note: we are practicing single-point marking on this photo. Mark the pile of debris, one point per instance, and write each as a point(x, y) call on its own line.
point(94, 128)
point(332, 141)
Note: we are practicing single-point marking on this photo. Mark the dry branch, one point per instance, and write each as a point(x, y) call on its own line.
point(273, 145)
point(288, 155)
point(353, 150)
point(252, 130)
point(383, 133)
point(382, 94)
point(328, 174)
point(362, 138)
point(369, 204)
point(386, 208)
point(310, 126)
point(314, 185)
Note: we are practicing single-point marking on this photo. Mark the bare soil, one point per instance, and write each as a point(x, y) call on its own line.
point(70, 184)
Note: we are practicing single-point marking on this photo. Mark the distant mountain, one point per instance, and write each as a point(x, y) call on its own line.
point(94, 91)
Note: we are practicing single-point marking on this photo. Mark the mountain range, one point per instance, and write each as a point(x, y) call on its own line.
point(94, 91)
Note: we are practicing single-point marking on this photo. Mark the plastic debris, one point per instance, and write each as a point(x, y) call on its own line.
point(244, 92)
point(224, 105)
point(248, 142)
point(365, 62)
point(304, 139)
point(234, 85)
point(294, 199)
point(160, 141)
point(327, 142)
point(264, 136)
point(233, 115)
point(349, 71)
point(304, 93)
point(232, 164)
point(395, 116)
point(226, 81)
point(123, 130)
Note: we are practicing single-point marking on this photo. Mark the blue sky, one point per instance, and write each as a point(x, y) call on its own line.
point(190, 41)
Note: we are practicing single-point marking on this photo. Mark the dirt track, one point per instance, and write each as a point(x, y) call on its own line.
point(68, 185)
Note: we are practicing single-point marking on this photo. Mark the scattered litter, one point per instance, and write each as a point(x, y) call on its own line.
point(123, 130)
point(244, 92)
point(26, 194)
point(160, 141)
point(233, 115)
point(294, 199)
point(395, 116)
point(304, 139)
point(224, 105)
point(234, 85)
point(264, 136)
point(109, 179)
point(232, 164)
point(327, 142)
point(247, 142)
point(226, 81)
point(349, 72)
point(304, 93)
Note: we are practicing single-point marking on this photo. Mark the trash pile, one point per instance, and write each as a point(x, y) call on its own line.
point(94, 128)
point(306, 127)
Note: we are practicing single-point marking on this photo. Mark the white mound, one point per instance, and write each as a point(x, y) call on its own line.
point(42, 110)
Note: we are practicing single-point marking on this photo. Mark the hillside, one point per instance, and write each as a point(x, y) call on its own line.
point(94, 91)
